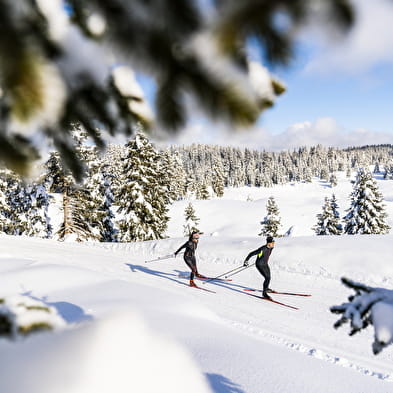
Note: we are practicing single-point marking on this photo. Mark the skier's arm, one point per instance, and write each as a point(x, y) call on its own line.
point(252, 253)
point(181, 247)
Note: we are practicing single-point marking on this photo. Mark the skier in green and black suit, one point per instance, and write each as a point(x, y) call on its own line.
point(263, 254)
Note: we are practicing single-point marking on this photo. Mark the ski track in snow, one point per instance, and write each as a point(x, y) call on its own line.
point(314, 352)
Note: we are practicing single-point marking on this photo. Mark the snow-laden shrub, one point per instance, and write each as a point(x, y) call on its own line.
point(369, 306)
point(21, 316)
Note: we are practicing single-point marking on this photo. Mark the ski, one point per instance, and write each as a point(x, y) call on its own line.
point(203, 289)
point(207, 278)
point(274, 301)
point(277, 292)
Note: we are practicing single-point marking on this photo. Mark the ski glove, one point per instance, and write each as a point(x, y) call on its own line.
point(245, 264)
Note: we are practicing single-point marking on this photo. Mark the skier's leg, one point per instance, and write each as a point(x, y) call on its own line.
point(195, 268)
point(265, 272)
point(191, 263)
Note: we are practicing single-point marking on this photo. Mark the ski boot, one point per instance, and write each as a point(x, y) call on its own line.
point(192, 284)
point(266, 296)
point(200, 275)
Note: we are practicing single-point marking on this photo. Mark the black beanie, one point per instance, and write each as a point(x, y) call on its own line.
point(269, 239)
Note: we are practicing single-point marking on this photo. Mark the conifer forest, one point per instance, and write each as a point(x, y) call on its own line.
point(125, 193)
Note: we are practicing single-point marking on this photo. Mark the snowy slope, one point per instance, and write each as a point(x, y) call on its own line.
point(136, 326)
point(241, 210)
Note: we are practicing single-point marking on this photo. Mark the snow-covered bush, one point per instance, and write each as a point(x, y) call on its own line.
point(369, 306)
point(21, 316)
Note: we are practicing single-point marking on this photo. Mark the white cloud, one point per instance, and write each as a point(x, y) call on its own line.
point(368, 43)
point(327, 132)
point(324, 131)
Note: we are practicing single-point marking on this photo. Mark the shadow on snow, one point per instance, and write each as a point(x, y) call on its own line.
point(70, 312)
point(157, 273)
point(221, 384)
point(185, 275)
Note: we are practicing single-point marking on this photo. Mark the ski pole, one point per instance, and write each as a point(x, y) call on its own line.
point(239, 271)
point(159, 258)
point(223, 274)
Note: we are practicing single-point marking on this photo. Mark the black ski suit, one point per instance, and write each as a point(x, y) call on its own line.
point(189, 256)
point(263, 254)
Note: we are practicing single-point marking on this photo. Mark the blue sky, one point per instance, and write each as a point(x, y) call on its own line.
point(345, 85)
point(355, 101)
point(339, 91)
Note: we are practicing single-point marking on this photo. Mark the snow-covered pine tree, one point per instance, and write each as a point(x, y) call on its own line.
point(28, 208)
point(218, 176)
point(388, 172)
point(329, 220)
point(81, 202)
point(250, 173)
point(366, 215)
point(112, 161)
point(8, 183)
point(320, 227)
point(202, 191)
point(38, 199)
point(73, 226)
point(348, 172)
point(239, 175)
point(192, 221)
point(324, 174)
point(108, 229)
point(333, 180)
point(19, 202)
point(54, 173)
point(179, 173)
point(142, 199)
point(272, 222)
point(94, 195)
point(172, 175)
point(376, 168)
point(191, 185)
point(307, 175)
point(334, 227)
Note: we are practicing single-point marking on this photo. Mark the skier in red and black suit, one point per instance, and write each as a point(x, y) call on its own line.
point(263, 254)
point(189, 256)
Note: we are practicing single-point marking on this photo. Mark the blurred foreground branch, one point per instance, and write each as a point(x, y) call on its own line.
point(369, 306)
point(57, 60)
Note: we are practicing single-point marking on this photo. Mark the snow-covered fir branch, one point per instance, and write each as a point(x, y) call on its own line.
point(369, 306)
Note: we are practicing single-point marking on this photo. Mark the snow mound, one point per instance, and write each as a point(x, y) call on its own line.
point(118, 354)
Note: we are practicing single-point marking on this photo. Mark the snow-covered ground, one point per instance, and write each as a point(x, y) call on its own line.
point(241, 210)
point(136, 326)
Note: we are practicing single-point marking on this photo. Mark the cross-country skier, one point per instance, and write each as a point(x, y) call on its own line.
point(263, 254)
point(189, 256)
